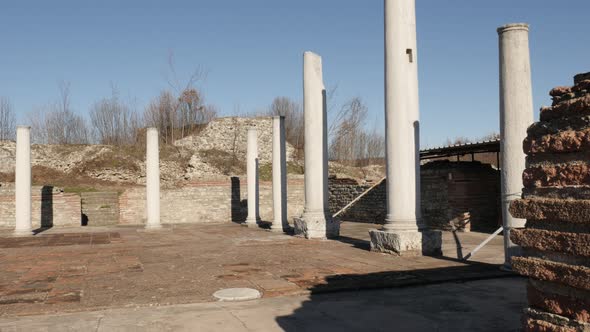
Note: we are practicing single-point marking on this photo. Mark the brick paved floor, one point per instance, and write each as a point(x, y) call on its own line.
point(63, 270)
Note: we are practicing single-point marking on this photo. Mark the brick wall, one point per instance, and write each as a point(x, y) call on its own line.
point(448, 190)
point(222, 201)
point(202, 202)
point(451, 189)
point(371, 208)
point(100, 208)
point(343, 191)
point(556, 204)
point(50, 207)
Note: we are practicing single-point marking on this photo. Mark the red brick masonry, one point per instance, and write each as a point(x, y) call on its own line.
point(556, 240)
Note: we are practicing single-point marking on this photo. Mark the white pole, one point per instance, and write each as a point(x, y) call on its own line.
point(252, 165)
point(516, 115)
point(404, 231)
point(316, 222)
point(402, 116)
point(152, 169)
point(279, 175)
point(23, 225)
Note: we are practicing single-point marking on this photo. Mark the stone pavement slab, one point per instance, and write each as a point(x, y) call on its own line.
point(487, 305)
point(125, 267)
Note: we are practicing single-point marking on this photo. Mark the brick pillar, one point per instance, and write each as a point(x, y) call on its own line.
point(556, 206)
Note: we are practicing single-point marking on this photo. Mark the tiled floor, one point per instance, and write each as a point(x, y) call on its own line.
point(64, 270)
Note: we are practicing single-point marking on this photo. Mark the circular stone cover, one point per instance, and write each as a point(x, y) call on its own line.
point(237, 294)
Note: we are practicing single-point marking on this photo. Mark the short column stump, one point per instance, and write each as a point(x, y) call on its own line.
point(407, 243)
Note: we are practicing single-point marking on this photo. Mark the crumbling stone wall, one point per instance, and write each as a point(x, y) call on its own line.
point(556, 204)
point(230, 134)
point(50, 207)
point(221, 137)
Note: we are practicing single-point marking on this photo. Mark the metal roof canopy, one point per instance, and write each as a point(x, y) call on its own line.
point(461, 149)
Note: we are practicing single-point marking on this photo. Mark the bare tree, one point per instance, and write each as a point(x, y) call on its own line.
point(7, 120)
point(348, 141)
point(490, 137)
point(375, 150)
point(176, 118)
point(58, 124)
point(175, 82)
point(293, 113)
point(160, 114)
point(181, 111)
point(114, 122)
point(192, 112)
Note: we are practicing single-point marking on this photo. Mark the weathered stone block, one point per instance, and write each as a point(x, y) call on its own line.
point(558, 304)
point(574, 276)
point(572, 211)
point(569, 243)
point(563, 141)
point(573, 107)
point(560, 90)
point(407, 243)
point(579, 78)
point(540, 321)
point(317, 226)
point(555, 126)
point(557, 175)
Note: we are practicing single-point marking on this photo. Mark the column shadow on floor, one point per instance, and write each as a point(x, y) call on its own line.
point(356, 243)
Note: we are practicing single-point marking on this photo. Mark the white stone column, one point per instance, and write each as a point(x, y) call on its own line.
point(252, 165)
point(316, 222)
point(404, 232)
point(279, 175)
point(23, 225)
point(152, 172)
point(516, 115)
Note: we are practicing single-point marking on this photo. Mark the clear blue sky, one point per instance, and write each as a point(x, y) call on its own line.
point(252, 52)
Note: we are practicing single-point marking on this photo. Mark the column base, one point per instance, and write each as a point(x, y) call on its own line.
point(510, 250)
point(279, 228)
point(154, 227)
point(254, 223)
point(407, 243)
point(23, 233)
point(317, 226)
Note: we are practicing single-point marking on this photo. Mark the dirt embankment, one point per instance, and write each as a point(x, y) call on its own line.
point(217, 152)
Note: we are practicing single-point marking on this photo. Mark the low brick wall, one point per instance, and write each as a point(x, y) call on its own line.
point(50, 207)
point(448, 190)
point(343, 191)
point(208, 202)
point(100, 208)
point(371, 208)
point(451, 189)
point(556, 204)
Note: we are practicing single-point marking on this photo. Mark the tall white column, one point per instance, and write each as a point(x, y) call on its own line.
point(316, 222)
point(252, 165)
point(404, 231)
point(279, 175)
point(152, 170)
point(516, 115)
point(23, 226)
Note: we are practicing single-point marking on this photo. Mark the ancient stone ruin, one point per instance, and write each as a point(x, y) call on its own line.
point(556, 204)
